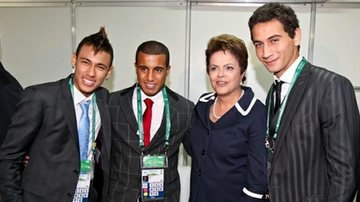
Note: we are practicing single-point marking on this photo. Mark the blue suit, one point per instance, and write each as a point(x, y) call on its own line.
point(229, 155)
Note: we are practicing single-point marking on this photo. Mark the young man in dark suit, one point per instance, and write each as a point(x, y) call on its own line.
point(59, 134)
point(313, 138)
point(134, 140)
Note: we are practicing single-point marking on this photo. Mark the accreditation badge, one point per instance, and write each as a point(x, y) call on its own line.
point(152, 177)
point(83, 185)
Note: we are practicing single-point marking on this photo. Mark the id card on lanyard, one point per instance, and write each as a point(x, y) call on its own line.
point(83, 185)
point(152, 177)
point(153, 166)
point(86, 165)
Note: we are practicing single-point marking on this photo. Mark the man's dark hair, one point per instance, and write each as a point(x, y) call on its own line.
point(275, 11)
point(99, 42)
point(153, 48)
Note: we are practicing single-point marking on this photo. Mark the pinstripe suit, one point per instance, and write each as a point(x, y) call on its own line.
point(317, 146)
point(125, 155)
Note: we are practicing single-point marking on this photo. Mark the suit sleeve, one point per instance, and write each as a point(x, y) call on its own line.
point(26, 121)
point(10, 95)
point(340, 123)
point(256, 177)
point(187, 136)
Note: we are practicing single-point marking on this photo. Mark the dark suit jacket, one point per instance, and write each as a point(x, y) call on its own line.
point(125, 152)
point(44, 125)
point(317, 145)
point(10, 93)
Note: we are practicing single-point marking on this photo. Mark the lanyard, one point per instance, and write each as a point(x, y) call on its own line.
point(140, 119)
point(298, 70)
point(93, 102)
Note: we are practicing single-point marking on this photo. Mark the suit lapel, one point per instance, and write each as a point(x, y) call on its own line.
point(101, 102)
point(292, 104)
point(126, 109)
point(67, 104)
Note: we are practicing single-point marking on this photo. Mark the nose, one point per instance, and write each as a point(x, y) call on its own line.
point(91, 70)
point(221, 72)
point(150, 76)
point(267, 51)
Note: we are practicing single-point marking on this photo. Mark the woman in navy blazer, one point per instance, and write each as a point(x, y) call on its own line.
point(228, 134)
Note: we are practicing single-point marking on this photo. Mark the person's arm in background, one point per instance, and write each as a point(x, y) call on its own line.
point(187, 136)
point(26, 121)
point(10, 94)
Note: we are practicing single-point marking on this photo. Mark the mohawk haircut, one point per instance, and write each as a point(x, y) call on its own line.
point(99, 43)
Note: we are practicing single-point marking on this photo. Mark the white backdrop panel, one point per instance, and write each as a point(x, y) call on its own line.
point(208, 21)
point(36, 43)
point(337, 41)
point(127, 28)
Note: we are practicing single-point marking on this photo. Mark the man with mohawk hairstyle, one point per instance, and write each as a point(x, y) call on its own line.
point(58, 125)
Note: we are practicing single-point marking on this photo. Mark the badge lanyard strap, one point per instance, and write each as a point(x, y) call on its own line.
point(140, 119)
point(298, 70)
point(93, 101)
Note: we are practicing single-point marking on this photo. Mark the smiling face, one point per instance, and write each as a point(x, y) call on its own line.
point(274, 47)
point(90, 69)
point(224, 73)
point(151, 72)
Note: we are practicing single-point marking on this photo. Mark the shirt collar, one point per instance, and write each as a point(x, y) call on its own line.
point(79, 97)
point(157, 98)
point(290, 72)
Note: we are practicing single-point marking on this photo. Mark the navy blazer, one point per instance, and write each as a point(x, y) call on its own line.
point(229, 155)
point(44, 126)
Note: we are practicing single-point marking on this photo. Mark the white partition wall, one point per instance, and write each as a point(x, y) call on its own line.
point(337, 39)
point(130, 25)
point(208, 20)
point(36, 43)
point(38, 37)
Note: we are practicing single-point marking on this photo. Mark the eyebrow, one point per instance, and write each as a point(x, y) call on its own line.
point(271, 37)
point(275, 36)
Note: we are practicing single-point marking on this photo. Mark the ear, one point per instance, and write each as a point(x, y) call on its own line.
point(73, 60)
point(168, 70)
point(109, 73)
point(297, 37)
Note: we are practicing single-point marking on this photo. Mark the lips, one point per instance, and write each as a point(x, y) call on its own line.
point(150, 86)
point(221, 83)
point(88, 82)
point(269, 62)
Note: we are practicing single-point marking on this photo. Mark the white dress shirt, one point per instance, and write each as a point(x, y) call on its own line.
point(287, 77)
point(157, 110)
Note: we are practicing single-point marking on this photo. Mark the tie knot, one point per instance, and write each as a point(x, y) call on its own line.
point(278, 82)
point(148, 102)
point(85, 105)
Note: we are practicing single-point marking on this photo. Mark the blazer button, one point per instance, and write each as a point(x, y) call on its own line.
point(76, 172)
point(69, 195)
point(203, 152)
point(199, 172)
